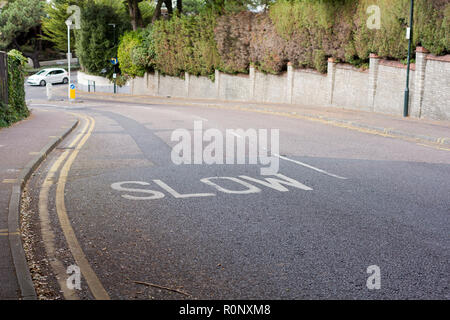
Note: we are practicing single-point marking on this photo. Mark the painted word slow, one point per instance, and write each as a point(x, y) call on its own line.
point(133, 190)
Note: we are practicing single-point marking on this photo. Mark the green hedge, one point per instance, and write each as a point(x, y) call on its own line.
point(136, 52)
point(186, 43)
point(314, 30)
point(172, 46)
point(339, 29)
point(95, 40)
point(431, 28)
point(304, 32)
point(129, 41)
point(16, 108)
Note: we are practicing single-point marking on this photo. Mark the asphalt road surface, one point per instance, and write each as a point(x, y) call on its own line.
point(353, 200)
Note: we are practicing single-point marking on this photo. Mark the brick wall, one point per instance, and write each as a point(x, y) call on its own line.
point(436, 90)
point(380, 88)
point(350, 88)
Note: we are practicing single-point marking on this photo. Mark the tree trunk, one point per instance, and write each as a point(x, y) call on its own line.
point(157, 13)
point(169, 7)
point(34, 56)
point(135, 14)
point(180, 6)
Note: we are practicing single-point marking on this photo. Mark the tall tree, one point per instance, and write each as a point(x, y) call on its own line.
point(169, 7)
point(180, 6)
point(54, 25)
point(135, 13)
point(157, 13)
point(20, 22)
point(95, 41)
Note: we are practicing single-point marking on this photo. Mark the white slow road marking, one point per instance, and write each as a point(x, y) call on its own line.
point(310, 167)
point(179, 195)
point(154, 194)
point(250, 188)
point(277, 182)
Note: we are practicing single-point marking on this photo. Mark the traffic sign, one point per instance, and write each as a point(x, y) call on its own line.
point(72, 91)
point(114, 61)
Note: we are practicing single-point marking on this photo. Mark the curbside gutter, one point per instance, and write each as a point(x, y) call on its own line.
point(270, 108)
point(381, 130)
point(24, 280)
point(349, 124)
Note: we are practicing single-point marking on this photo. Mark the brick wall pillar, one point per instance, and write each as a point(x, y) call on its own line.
point(186, 84)
point(131, 82)
point(289, 82)
point(156, 83)
point(373, 80)
point(217, 83)
point(252, 78)
point(419, 83)
point(331, 74)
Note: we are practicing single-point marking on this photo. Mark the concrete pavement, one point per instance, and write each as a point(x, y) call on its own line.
point(23, 146)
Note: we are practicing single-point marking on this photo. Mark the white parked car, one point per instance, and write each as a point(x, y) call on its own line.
point(50, 75)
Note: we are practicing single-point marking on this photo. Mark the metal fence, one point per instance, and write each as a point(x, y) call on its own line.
point(3, 77)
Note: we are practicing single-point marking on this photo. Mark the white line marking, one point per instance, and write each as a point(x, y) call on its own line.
point(200, 118)
point(300, 163)
point(310, 167)
point(146, 108)
point(46, 105)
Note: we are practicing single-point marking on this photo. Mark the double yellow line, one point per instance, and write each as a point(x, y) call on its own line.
point(94, 284)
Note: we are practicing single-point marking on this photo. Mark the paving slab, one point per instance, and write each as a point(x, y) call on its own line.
point(20, 145)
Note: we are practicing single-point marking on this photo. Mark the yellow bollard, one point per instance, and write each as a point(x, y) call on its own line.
point(72, 92)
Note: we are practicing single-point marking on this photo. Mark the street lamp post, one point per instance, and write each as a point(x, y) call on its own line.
point(69, 24)
point(410, 36)
point(115, 69)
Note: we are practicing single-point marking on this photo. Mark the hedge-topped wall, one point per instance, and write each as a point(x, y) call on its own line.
point(173, 46)
point(304, 32)
point(16, 108)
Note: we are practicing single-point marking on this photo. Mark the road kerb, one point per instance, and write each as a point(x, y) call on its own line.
point(25, 282)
